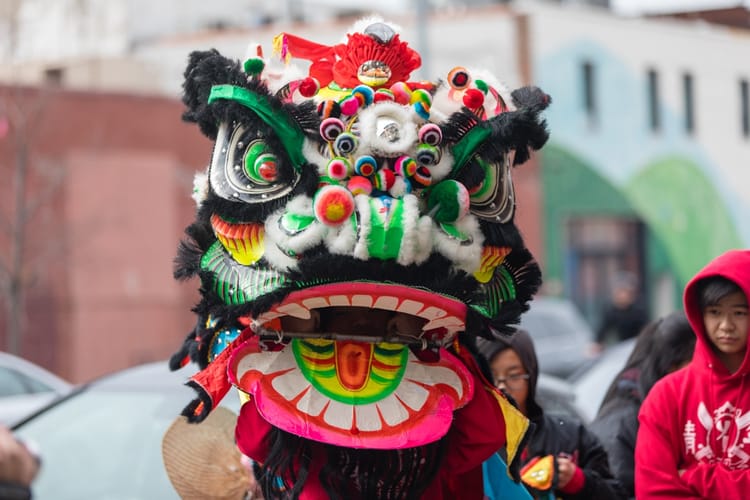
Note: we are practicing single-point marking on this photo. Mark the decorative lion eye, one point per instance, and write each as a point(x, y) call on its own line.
point(260, 165)
point(495, 198)
point(459, 78)
point(245, 168)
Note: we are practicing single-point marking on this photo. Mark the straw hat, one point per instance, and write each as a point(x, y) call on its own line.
point(202, 460)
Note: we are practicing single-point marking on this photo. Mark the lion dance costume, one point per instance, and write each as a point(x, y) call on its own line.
point(348, 186)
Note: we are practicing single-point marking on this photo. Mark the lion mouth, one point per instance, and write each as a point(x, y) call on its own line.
point(443, 317)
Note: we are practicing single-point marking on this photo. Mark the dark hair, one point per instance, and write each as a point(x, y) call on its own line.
point(672, 344)
point(660, 346)
point(348, 473)
point(711, 290)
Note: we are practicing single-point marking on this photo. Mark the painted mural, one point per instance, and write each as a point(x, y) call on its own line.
point(609, 161)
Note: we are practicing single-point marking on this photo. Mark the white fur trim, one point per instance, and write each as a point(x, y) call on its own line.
point(466, 257)
point(410, 241)
point(425, 228)
point(361, 24)
point(277, 239)
point(370, 142)
point(342, 239)
point(311, 152)
point(363, 208)
point(200, 187)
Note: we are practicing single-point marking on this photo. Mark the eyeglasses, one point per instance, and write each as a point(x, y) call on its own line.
point(512, 381)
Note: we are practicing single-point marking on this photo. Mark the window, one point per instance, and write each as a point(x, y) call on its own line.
point(687, 90)
point(589, 92)
point(653, 100)
point(54, 77)
point(745, 107)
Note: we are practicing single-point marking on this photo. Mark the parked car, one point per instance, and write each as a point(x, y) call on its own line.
point(103, 440)
point(26, 387)
point(562, 336)
point(583, 393)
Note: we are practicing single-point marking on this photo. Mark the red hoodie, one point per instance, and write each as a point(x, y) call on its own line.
point(697, 419)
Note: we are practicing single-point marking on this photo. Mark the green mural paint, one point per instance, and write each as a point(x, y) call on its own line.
point(681, 205)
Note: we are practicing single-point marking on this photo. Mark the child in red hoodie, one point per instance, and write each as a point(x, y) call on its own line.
point(694, 436)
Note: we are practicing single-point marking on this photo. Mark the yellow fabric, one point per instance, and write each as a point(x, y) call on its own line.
point(516, 426)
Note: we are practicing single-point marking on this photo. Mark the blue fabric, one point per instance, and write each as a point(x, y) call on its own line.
point(498, 485)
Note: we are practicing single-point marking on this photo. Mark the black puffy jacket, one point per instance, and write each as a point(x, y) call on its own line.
point(555, 434)
point(616, 426)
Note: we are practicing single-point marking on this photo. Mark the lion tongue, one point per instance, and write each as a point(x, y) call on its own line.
point(353, 363)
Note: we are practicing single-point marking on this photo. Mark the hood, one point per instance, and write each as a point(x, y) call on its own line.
point(735, 266)
point(522, 343)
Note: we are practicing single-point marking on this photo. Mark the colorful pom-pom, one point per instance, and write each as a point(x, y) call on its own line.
point(422, 101)
point(308, 87)
point(350, 106)
point(448, 201)
point(383, 95)
point(423, 110)
point(459, 78)
point(333, 205)
point(422, 176)
point(427, 155)
point(339, 168)
point(345, 143)
point(431, 134)
point(473, 98)
point(401, 93)
point(365, 165)
point(330, 128)
point(329, 109)
point(359, 185)
point(365, 92)
point(383, 179)
point(405, 166)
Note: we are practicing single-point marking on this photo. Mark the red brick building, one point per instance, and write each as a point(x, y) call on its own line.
point(107, 197)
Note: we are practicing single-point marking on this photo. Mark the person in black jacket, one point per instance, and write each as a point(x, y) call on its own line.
point(624, 316)
point(581, 470)
point(662, 346)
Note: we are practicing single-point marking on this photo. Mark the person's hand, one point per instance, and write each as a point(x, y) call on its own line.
point(594, 349)
point(17, 464)
point(565, 470)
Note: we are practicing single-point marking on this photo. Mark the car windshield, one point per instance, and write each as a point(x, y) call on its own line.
point(104, 445)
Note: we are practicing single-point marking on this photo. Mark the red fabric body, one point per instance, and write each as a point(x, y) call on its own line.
point(478, 431)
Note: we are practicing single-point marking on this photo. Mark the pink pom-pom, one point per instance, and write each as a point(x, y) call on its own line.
point(350, 105)
point(359, 185)
point(338, 168)
point(401, 93)
point(333, 205)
